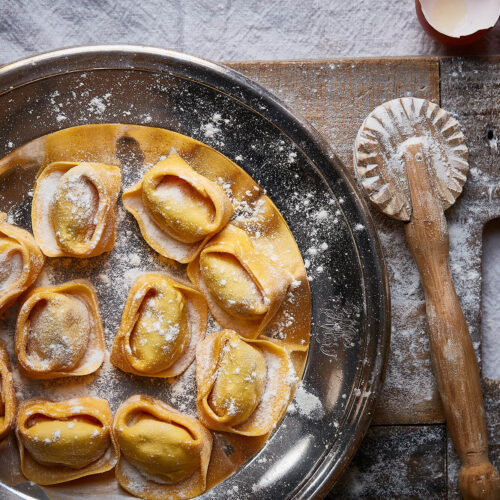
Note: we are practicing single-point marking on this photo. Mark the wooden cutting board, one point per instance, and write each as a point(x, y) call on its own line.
point(407, 452)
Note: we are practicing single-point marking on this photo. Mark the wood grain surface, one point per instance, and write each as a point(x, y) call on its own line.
point(336, 96)
point(403, 461)
point(414, 460)
point(470, 90)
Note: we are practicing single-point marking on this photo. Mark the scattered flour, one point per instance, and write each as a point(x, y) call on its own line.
point(307, 404)
point(113, 273)
point(97, 106)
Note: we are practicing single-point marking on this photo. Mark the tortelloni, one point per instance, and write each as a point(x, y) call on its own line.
point(74, 208)
point(161, 325)
point(66, 440)
point(59, 331)
point(244, 385)
point(7, 395)
point(244, 288)
point(20, 262)
point(177, 209)
point(164, 454)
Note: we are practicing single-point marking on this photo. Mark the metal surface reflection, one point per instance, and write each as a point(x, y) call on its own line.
point(148, 86)
point(284, 464)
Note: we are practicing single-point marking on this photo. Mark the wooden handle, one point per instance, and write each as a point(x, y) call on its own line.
point(453, 358)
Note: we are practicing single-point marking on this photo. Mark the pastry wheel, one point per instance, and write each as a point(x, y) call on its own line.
point(411, 159)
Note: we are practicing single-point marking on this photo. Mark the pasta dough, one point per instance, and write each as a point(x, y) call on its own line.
point(62, 441)
point(255, 215)
point(161, 325)
point(244, 289)
point(165, 454)
point(20, 262)
point(243, 384)
point(177, 209)
point(7, 395)
point(59, 331)
point(74, 208)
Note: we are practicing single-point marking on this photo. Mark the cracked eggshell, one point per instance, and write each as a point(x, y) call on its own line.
point(457, 22)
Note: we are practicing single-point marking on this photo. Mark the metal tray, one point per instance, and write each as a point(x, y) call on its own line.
point(309, 185)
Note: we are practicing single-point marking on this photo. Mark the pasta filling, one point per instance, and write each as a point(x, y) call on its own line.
point(240, 380)
point(232, 286)
point(161, 333)
point(74, 442)
point(59, 329)
point(161, 449)
point(178, 208)
point(73, 211)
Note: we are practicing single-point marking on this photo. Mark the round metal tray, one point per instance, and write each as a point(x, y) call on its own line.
point(351, 312)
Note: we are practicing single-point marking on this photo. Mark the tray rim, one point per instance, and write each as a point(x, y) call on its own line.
point(33, 68)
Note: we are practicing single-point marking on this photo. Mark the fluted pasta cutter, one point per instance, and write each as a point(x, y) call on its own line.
point(411, 159)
